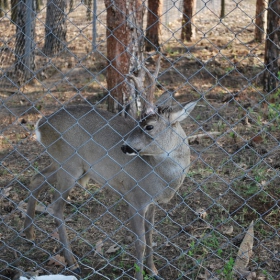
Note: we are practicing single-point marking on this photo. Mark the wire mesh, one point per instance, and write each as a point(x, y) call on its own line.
point(233, 177)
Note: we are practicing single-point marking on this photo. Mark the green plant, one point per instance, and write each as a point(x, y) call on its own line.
point(146, 276)
point(229, 69)
point(87, 261)
point(219, 252)
point(228, 269)
point(211, 241)
point(5, 141)
point(220, 126)
point(192, 249)
point(36, 165)
point(136, 267)
point(274, 108)
point(3, 172)
point(268, 276)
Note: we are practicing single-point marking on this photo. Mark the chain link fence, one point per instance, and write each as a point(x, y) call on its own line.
point(223, 223)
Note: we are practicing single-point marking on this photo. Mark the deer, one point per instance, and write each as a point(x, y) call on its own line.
point(144, 161)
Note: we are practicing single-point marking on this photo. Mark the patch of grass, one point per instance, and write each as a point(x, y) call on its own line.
point(229, 69)
point(227, 270)
point(268, 276)
point(5, 140)
point(3, 172)
point(212, 241)
point(274, 108)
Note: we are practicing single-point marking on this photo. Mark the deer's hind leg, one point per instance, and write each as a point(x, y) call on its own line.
point(65, 182)
point(38, 183)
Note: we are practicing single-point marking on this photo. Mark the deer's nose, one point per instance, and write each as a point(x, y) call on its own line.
point(128, 150)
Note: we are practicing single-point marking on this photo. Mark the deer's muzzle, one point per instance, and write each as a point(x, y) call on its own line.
point(128, 150)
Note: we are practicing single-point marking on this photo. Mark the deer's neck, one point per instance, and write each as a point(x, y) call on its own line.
point(171, 170)
point(177, 159)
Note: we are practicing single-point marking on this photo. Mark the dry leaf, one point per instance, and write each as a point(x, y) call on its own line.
point(263, 183)
point(206, 275)
point(245, 251)
point(251, 276)
point(5, 192)
point(98, 247)
point(114, 248)
point(257, 139)
point(55, 235)
point(54, 250)
point(127, 240)
point(15, 196)
point(41, 208)
point(166, 243)
point(32, 274)
point(228, 230)
point(57, 260)
point(201, 213)
point(22, 208)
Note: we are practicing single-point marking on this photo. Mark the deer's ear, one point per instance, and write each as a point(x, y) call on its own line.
point(179, 113)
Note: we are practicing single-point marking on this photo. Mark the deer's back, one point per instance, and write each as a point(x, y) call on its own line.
point(82, 130)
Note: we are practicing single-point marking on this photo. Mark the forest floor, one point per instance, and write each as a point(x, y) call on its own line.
point(234, 175)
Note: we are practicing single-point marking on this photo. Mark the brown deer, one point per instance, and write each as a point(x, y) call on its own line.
point(85, 142)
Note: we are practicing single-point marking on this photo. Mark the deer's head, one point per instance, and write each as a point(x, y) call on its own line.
point(159, 132)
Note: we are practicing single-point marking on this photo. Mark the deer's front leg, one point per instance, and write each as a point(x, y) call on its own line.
point(138, 227)
point(149, 224)
point(65, 184)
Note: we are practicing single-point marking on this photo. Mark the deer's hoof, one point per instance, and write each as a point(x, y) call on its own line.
point(157, 277)
point(30, 235)
point(76, 270)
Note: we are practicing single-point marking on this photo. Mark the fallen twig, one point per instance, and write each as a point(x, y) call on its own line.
point(196, 137)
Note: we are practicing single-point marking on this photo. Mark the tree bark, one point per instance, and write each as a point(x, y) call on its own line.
point(188, 28)
point(153, 25)
point(14, 11)
point(271, 59)
point(1, 8)
point(223, 9)
point(55, 30)
point(25, 45)
point(125, 42)
point(260, 20)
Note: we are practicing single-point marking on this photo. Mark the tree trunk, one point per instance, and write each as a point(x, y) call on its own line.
point(14, 11)
point(88, 5)
point(55, 30)
point(153, 25)
point(125, 42)
point(188, 28)
point(25, 45)
point(271, 59)
point(260, 20)
point(223, 8)
point(1, 8)
point(39, 4)
point(4, 5)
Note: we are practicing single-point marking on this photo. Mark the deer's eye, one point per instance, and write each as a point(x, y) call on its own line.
point(149, 127)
